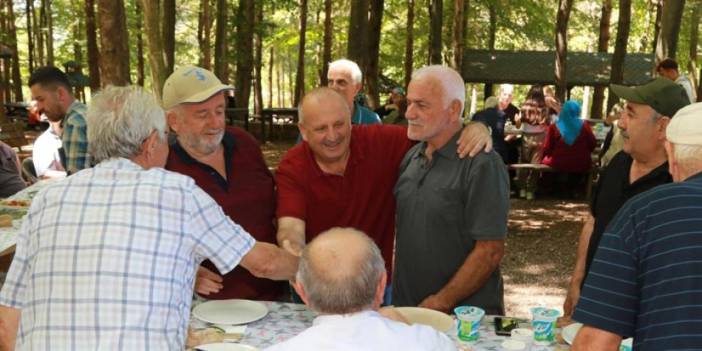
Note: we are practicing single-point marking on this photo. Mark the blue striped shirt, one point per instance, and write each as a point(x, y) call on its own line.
point(646, 278)
point(106, 259)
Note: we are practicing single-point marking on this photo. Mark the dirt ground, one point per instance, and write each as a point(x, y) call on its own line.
point(540, 247)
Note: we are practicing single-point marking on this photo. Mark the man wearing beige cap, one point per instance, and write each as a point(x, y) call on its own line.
point(227, 163)
point(639, 167)
point(646, 280)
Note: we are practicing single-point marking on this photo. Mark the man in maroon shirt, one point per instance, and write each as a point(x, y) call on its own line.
point(343, 176)
point(227, 163)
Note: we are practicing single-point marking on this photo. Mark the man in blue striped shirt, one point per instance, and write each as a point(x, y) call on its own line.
point(646, 278)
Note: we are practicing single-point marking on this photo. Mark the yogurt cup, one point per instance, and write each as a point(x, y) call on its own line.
point(543, 322)
point(626, 345)
point(468, 318)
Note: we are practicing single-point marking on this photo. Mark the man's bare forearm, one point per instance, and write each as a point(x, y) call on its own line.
point(474, 272)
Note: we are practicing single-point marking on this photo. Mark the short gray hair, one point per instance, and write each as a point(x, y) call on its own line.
point(448, 79)
point(688, 157)
point(119, 119)
point(350, 66)
point(352, 289)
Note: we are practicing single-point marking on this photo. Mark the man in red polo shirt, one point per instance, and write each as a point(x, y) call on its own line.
point(227, 163)
point(343, 176)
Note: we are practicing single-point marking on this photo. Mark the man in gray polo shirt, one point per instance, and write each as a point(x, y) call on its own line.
point(451, 212)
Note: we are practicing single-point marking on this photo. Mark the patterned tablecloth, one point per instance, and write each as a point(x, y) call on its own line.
point(8, 235)
point(285, 320)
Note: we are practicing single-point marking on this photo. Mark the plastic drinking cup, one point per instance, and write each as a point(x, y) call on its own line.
point(468, 322)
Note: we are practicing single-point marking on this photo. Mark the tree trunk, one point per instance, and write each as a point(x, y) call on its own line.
point(49, 38)
point(91, 41)
point(40, 30)
point(326, 50)
point(244, 50)
point(168, 13)
point(358, 32)
point(154, 39)
point(280, 83)
point(258, 58)
point(204, 34)
point(300, 76)
point(602, 46)
point(409, 45)
point(220, 59)
point(140, 45)
point(30, 34)
point(623, 27)
point(562, 18)
point(270, 78)
point(694, 33)
point(658, 6)
point(12, 43)
point(372, 70)
point(667, 43)
point(492, 10)
point(460, 19)
point(114, 44)
point(436, 17)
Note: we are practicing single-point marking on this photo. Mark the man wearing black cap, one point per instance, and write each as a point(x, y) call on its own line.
point(641, 166)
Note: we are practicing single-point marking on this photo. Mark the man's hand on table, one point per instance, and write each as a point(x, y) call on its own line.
point(207, 282)
point(475, 137)
point(436, 302)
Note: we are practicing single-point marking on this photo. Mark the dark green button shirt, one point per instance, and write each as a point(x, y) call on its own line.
point(443, 207)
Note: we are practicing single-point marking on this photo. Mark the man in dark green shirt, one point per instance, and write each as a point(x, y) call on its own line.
point(451, 212)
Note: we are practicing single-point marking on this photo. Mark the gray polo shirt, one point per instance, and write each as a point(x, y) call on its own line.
point(443, 207)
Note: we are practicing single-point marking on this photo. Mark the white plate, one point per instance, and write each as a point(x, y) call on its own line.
point(230, 312)
point(435, 319)
point(225, 346)
point(569, 332)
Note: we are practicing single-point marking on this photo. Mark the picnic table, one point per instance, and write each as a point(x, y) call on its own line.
point(287, 114)
point(285, 320)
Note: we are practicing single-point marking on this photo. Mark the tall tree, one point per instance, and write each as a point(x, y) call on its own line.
point(271, 64)
point(657, 6)
point(436, 23)
point(460, 19)
point(300, 75)
point(204, 32)
point(667, 43)
point(91, 43)
point(11, 40)
point(602, 46)
point(409, 44)
point(168, 13)
point(356, 49)
point(327, 46)
point(492, 14)
point(562, 19)
point(244, 50)
point(258, 60)
point(155, 41)
point(220, 59)
point(623, 27)
point(114, 47)
point(694, 36)
point(140, 44)
point(372, 70)
point(39, 31)
point(48, 31)
point(29, 8)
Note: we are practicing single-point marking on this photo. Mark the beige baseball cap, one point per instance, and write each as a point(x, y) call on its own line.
point(685, 127)
point(190, 84)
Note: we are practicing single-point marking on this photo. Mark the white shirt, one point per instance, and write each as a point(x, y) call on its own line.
point(45, 153)
point(685, 83)
point(366, 330)
point(106, 259)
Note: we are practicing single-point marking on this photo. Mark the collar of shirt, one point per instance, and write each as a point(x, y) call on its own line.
point(338, 318)
point(228, 141)
point(119, 163)
point(448, 151)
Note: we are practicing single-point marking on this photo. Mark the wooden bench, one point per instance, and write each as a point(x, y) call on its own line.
point(592, 174)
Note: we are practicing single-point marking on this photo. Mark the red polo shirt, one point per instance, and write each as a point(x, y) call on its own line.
point(362, 198)
point(247, 196)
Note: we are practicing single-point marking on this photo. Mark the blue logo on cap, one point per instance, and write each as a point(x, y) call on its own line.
point(198, 74)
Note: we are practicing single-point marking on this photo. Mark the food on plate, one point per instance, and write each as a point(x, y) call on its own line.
point(5, 221)
point(14, 212)
point(16, 203)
